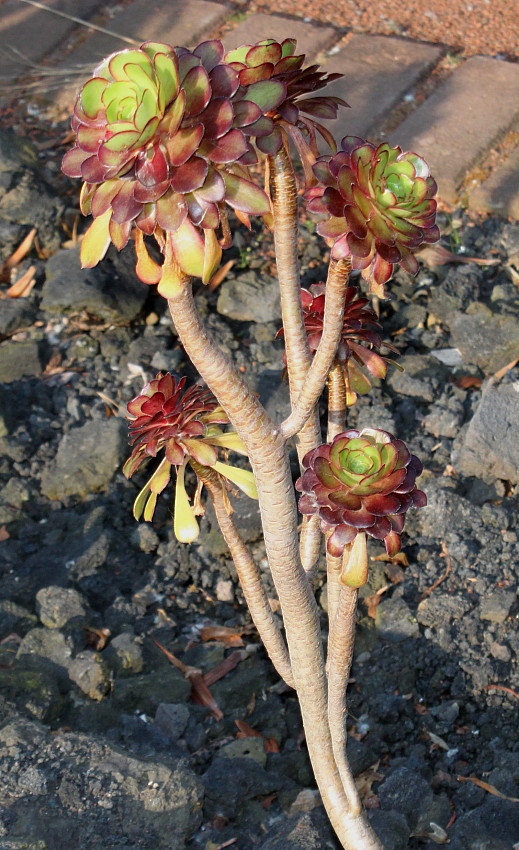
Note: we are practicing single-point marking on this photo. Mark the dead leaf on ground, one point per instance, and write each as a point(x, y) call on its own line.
point(487, 787)
point(437, 255)
point(200, 693)
point(17, 256)
point(220, 275)
point(504, 369)
point(399, 558)
point(501, 688)
point(246, 731)
point(97, 638)
point(372, 602)
point(23, 286)
point(4, 534)
point(465, 382)
point(366, 779)
point(448, 568)
point(223, 634)
point(225, 666)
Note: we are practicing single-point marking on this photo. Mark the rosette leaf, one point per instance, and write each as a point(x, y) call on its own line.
point(272, 76)
point(160, 146)
point(379, 207)
point(360, 344)
point(363, 482)
point(184, 424)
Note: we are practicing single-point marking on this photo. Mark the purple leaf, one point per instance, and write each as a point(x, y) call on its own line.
point(171, 211)
point(244, 195)
point(198, 90)
point(227, 149)
point(184, 144)
point(124, 205)
point(210, 52)
point(190, 175)
point(217, 118)
point(224, 81)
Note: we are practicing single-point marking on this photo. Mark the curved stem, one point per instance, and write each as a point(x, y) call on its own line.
point(267, 452)
point(249, 576)
point(283, 193)
point(338, 274)
point(340, 653)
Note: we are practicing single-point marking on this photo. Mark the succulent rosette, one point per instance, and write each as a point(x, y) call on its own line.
point(185, 425)
point(379, 207)
point(159, 146)
point(360, 344)
point(270, 66)
point(364, 481)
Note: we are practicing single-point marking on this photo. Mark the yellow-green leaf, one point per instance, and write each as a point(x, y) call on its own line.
point(185, 525)
point(96, 240)
point(241, 477)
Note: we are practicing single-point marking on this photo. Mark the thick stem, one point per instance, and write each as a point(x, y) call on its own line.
point(250, 578)
point(338, 275)
point(267, 452)
point(340, 653)
point(283, 193)
point(336, 402)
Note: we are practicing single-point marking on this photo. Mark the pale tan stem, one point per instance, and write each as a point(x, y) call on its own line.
point(250, 579)
point(268, 455)
point(340, 653)
point(336, 402)
point(338, 274)
point(283, 193)
point(333, 588)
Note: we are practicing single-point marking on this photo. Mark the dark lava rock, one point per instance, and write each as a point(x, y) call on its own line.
point(391, 827)
point(109, 291)
point(395, 620)
point(67, 790)
point(420, 379)
point(144, 692)
point(26, 199)
point(172, 719)
point(406, 792)
point(486, 339)
point(16, 313)
point(33, 692)
point(124, 655)
point(497, 606)
point(251, 297)
point(460, 288)
point(445, 511)
point(306, 831)
point(61, 606)
point(20, 360)
point(440, 609)
point(46, 649)
point(90, 673)
point(229, 782)
point(86, 460)
point(492, 826)
point(490, 446)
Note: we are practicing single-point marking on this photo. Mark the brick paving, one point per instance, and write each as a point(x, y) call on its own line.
point(462, 119)
point(454, 128)
point(378, 72)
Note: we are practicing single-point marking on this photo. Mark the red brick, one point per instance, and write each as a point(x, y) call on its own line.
point(378, 71)
point(500, 192)
point(455, 127)
point(311, 39)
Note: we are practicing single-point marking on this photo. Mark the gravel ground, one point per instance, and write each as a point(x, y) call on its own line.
point(489, 27)
point(100, 737)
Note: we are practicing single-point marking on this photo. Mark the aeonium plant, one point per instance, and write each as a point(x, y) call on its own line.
point(166, 141)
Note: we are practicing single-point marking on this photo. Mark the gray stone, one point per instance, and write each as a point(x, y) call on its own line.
point(46, 649)
point(440, 609)
point(224, 590)
point(492, 826)
point(12, 498)
point(249, 298)
point(489, 448)
point(172, 719)
point(305, 831)
point(460, 288)
point(110, 291)
point(406, 792)
point(14, 617)
point(86, 460)
point(485, 339)
point(20, 360)
point(497, 606)
point(445, 510)
point(28, 200)
point(252, 748)
point(16, 152)
point(99, 794)
point(420, 377)
point(58, 606)
point(146, 537)
point(16, 313)
point(444, 421)
point(90, 673)
point(395, 621)
point(124, 654)
point(145, 691)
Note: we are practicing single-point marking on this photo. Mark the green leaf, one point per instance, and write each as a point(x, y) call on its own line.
point(188, 247)
point(185, 525)
point(244, 195)
point(149, 510)
point(91, 96)
point(241, 477)
point(231, 440)
point(267, 94)
point(160, 478)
